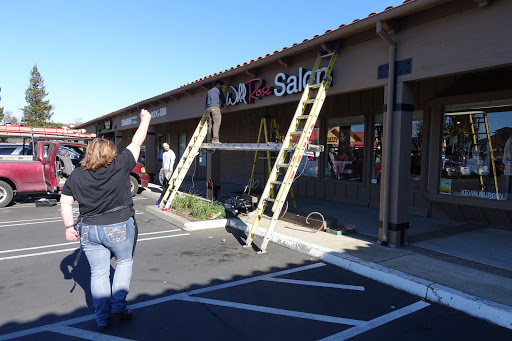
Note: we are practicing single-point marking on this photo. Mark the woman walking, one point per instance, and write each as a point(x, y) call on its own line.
point(105, 225)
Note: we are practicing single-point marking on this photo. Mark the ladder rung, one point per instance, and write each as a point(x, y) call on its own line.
point(297, 132)
point(309, 101)
point(303, 117)
point(315, 86)
point(282, 165)
point(276, 182)
point(327, 55)
point(270, 199)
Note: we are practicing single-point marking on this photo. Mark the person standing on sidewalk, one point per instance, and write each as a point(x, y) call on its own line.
point(168, 158)
point(106, 223)
point(214, 101)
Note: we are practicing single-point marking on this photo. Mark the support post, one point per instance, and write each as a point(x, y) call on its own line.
point(397, 192)
point(150, 153)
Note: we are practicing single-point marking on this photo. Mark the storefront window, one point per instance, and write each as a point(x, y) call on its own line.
point(378, 130)
point(345, 147)
point(308, 165)
point(416, 143)
point(476, 151)
point(182, 144)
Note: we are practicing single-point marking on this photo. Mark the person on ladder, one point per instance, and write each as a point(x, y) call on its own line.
point(214, 101)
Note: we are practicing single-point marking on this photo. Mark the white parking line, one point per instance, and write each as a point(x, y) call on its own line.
point(275, 311)
point(84, 334)
point(71, 243)
point(44, 221)
point(222, 286)
point(377, 322)
point(37, 254)
point(316, 284)
point(66, 250)
point(29, 220)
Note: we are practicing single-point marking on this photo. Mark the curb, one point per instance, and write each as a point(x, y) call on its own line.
point(186, 224)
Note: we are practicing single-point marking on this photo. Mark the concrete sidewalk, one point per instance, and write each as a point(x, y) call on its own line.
point(464, 267)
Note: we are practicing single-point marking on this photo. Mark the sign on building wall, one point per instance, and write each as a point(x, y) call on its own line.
point(257, 89)
point(129, 121)
point(162, 111)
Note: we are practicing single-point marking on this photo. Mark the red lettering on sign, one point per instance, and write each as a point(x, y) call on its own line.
point(257, 90)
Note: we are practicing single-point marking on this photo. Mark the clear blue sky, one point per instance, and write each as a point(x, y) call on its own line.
point(97, 57)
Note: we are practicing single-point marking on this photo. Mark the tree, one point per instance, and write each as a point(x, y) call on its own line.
point(77, 120)
point(9, 118)
point(38, 112)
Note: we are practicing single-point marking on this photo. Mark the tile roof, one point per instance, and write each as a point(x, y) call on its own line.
point(252, 61)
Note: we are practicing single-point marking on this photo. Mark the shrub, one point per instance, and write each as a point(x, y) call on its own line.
point(197, 208)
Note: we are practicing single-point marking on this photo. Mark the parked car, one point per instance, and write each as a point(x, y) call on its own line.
point(47, 170)
point(464, 170)
point(451, 169)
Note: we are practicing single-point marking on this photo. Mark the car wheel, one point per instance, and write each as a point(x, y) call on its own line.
point(134, 186)
point(5, 194)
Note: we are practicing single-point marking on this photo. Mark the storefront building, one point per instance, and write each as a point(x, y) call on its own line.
point(418, 119)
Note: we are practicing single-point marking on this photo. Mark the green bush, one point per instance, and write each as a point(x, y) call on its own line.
point(196, 208)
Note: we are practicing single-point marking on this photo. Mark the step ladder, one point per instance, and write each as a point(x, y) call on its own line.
point(186, 160)
point(296, 141)
point(482, 140)
point(270, 132)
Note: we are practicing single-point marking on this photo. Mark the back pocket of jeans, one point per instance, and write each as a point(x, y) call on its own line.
point(116, 233)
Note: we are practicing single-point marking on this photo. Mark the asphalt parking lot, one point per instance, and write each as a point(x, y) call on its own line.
point(203, 285)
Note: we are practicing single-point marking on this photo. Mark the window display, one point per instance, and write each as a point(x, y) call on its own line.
point(476, 151)
point(345, 147)
point(308, 165)
point(416, 148)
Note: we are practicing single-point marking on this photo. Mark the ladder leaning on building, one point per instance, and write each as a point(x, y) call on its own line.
point(291, 151)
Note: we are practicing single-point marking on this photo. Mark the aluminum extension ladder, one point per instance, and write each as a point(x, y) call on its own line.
point(267, 133)
point(186, 160)
point(296, 141)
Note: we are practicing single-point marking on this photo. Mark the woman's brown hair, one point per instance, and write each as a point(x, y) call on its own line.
point(99, 153)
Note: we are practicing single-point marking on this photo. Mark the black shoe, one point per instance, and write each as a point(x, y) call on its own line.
point(126, 314)
point(103, 328)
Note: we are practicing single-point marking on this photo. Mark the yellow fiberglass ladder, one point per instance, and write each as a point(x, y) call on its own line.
point(186, 160)
point(479, 148)
point(296, 141)
point(270, 132)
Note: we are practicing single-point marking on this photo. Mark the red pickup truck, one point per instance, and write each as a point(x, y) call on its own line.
point(47, 169)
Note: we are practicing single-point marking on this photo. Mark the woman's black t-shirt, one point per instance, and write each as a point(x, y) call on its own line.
point(103, 190)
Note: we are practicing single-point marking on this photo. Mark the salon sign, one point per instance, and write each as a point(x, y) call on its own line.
point(256, 88)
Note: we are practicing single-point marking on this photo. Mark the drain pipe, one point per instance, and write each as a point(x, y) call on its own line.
point(388, 132)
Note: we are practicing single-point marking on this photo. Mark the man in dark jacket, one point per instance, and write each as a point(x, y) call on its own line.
point(214, 101)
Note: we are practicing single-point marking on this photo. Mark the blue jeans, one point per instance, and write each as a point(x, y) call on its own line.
point(98, 241)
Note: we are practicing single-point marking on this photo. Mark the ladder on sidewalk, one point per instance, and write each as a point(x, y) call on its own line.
point(270, 133)
point(186, 160)
point(480, 145)
point(296, 141)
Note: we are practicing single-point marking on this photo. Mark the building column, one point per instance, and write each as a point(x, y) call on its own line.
point(151, 152)
point(396, 197)
point(118, 140)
